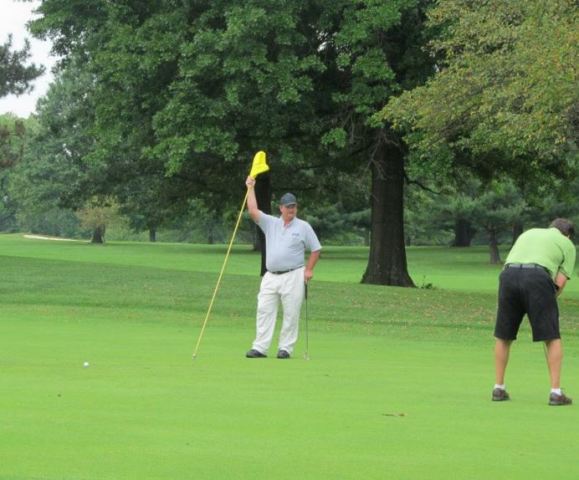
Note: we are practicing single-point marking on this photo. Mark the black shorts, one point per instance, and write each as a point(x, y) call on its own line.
point(528, 291)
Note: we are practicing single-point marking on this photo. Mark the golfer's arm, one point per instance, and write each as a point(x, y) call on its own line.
point(560, 281)
point(252, 203)
point(314, 256)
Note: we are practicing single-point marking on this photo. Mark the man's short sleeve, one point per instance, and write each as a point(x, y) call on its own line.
point(265, 221)
point(312, 242)
point(569, 254)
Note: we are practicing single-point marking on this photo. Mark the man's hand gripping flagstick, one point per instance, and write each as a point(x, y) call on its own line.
point(258, 167)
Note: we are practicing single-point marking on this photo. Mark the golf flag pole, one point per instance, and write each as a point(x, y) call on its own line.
point(258, 166)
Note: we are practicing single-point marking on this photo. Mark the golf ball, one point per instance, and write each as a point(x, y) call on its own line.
point(85, 364)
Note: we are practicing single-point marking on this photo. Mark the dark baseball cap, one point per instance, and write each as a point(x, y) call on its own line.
point(288, 199)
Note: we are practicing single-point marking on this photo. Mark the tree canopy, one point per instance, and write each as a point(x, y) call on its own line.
point(505, 97)
point(190, 90)
point(159, 107)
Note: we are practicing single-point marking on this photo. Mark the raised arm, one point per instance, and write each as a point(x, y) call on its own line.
point(251, 200)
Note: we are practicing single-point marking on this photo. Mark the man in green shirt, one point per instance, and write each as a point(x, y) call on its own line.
point(536, 271)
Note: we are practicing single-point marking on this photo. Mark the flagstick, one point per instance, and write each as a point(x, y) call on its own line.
point(220, 276)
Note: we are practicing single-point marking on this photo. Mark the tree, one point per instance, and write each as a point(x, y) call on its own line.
point(95, 215)
point(456, 208)
point(14, 134)
point(53, 173)
point(15, 75)
point(173, 105)
point(196, 88)
point(498, 207)
point(377, 53)
point(505, 97)
point(426, 219)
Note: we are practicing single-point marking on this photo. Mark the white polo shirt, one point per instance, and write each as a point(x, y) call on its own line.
point(285, 245)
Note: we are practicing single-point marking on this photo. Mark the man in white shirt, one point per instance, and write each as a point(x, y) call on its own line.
point(286, 240)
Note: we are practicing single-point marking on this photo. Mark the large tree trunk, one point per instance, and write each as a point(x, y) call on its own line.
point(463, 233)
point(387, 260)
point(152, 234)
point(494, 247)
point(98, 234)
point(263, 197)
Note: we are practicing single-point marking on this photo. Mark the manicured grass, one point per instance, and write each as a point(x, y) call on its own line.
point(397, 386)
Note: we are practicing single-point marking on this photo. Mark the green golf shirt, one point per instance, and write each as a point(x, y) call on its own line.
point(547, 247)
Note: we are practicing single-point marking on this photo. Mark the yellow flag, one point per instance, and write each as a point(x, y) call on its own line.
point(259, 164)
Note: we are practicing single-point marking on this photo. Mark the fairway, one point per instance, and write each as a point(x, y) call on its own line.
point(398, 385)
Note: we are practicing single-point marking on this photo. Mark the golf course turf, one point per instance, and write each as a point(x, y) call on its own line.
point(397, 386)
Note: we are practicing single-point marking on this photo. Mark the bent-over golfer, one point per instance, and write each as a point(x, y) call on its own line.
point(286, 240)
point(536, 271)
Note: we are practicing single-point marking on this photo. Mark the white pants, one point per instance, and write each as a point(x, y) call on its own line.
point(289, 288)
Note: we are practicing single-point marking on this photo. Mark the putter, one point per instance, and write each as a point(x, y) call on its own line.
point(307, 354)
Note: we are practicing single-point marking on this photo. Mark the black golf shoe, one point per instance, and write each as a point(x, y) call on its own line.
point(253, 353)
point(500, 395)
point(283, 354)
point(559, 400)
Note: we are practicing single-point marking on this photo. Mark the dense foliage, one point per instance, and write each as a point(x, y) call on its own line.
point(505, 98)
point(15, 74)
point(159, 106)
